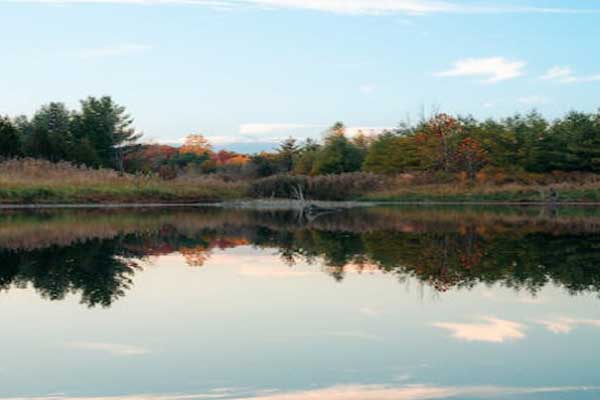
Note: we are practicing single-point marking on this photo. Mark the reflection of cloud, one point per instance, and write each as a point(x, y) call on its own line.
point(355, 335)
point(412, 392)
point(521, 298)
point(530, 299)
point(112, 348)
point(272, 272)
point(350, 392)
point(566, 325)
point(369, 312)
point(492, 330)
point(199, 396)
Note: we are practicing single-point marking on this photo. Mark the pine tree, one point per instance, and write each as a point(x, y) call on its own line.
point(10, 142)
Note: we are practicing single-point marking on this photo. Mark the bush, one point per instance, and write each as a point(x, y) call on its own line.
point(325, 187)
point(167, 172)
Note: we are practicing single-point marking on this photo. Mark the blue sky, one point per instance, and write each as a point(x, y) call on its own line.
point(246, 71)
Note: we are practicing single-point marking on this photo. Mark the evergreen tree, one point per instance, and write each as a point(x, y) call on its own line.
point(286, 152)
point(393, 153)
point(49, 133)
point(338, 155)
point(306, 159)
point(108, 128)
point(10, 142)
point(581, 133)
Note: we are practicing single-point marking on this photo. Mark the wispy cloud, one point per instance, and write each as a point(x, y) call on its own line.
point(567, 75)
point(120, 50)
point(491, 70)
point(353, 7)
point(558, 73)
point(566, 325)
point(535, 100)
point(111, 348)
point(367, 88)
point(491, 330)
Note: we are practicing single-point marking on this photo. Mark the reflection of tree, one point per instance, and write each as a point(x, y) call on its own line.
point(100, 269)
point(443, 252)
point(195, 256)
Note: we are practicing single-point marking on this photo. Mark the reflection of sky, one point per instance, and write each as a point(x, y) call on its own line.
point(247, 321)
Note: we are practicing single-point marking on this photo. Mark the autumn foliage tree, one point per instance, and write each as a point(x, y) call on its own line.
point(437, 138)
point(470, 157)
point(196, 144)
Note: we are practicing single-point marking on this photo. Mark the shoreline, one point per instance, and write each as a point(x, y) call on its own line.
point(291, 204)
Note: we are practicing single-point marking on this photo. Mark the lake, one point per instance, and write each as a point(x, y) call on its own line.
point(373, 303)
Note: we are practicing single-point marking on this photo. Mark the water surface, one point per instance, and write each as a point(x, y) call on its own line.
point(378, 303)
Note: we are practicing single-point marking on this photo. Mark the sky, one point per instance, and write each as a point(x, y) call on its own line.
point(247, 73)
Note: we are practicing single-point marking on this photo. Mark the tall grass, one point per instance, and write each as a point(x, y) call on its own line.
point(510, 192)
point(39, 181)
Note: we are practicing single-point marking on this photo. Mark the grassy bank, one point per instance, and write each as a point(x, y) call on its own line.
point(511, 193)
point(37, 182)
point(40, 182)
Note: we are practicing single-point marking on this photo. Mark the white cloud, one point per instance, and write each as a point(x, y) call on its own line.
point(566, 325)
point(272, 133)
point(488, 104)
point(494, 69)
point(119, 50)
point(230, 139)
point(111, 348)
point(261, 128)
point(491, 330)
point(367, 88)
point(534, 100)
point(275, 132)
point(567, 75)
point(367, 130)
point(353, 7)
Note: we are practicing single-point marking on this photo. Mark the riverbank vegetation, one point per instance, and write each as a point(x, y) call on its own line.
point(95, 154)
point(39, 181)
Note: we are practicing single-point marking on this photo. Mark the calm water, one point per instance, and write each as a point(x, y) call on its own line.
point(380, 303)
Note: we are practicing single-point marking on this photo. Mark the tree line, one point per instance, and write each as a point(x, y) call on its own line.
point(100, 134)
